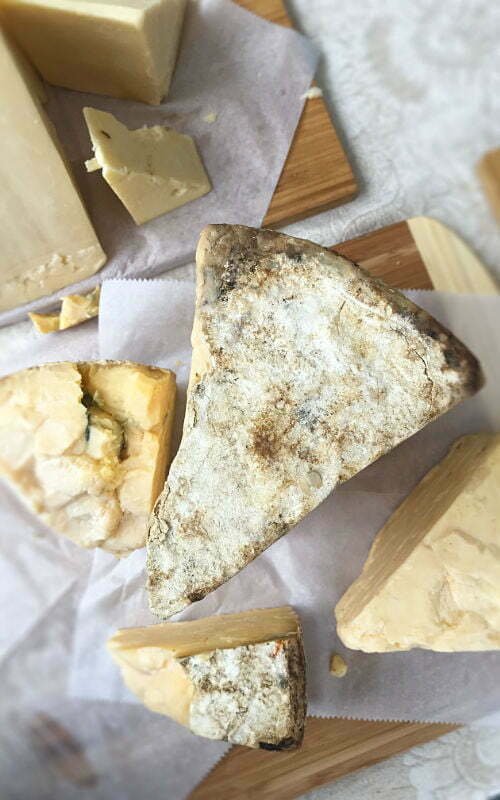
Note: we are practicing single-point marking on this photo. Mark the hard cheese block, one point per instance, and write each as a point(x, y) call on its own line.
point(305, 370)
point(46, 237)
point(432, 578)
point(152, 170)
point(86, 447)
point(75, 309)
point(238, 677)
point(122, 48)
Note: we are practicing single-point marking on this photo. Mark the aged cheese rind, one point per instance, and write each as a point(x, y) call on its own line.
point(46, 236)
point(75, 309)
point(86, 447)
point(432, 578)
point(305, 370)
point(122, 48)
point(246, 692)
point(152, 170)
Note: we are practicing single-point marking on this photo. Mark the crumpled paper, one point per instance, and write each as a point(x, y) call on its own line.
point(248, 73)
point(313, 565)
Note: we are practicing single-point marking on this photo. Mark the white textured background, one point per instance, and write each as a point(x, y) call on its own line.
point(415, 92)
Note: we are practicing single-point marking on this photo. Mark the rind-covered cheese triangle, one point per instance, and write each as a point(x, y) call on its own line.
point(86, 447)
point(236, 677)
point(305, 370)
point(432, 578)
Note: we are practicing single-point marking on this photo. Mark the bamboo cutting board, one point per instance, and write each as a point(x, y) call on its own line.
point(420, 253)
point(317, 175)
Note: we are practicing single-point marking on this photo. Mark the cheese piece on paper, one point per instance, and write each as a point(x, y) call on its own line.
point(46, 237)
point(121, 48)
point(237, 677)
point(86, 447)
point(152, 170)
point(305, 370)
point(432, 579)
point(75, 309)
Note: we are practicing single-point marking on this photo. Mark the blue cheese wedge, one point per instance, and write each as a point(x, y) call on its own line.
point(86, 447)
point(432, 579)
point(152, 170)
point(122, 48)
point(46, 237)
point(305, 370)
point(237, 677)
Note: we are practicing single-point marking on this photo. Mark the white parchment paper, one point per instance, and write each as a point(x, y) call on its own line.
point(314, 564)
point(244, 73)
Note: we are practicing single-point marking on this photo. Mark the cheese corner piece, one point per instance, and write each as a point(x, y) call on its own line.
point(47, 240)
point(237, 677)
point(305, 370)
point(121, 48)
point(152, 170)
point(45, 323)
point(86, 447)
point(432, 579)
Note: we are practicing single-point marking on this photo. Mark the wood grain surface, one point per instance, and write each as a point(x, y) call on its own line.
point(317, 175)
point(489, 172)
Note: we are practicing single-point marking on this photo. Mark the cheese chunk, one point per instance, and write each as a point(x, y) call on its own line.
point(86, 447)
point(46, 237)
point(432, 578)
point(75, 309)
point(305, 370)
point(152, 170)
point(238, 677)
point(122, 48)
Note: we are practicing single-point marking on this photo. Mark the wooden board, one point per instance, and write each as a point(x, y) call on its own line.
point(317, 175)
point(489, 172)
point(402, 255)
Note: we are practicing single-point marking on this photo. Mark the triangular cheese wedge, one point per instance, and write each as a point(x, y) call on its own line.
point(152, 170)
point(86, 447)
point(432, 578)
point(305, 370)
point(237, 677)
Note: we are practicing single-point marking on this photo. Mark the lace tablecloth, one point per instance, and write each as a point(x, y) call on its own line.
point(415, 89)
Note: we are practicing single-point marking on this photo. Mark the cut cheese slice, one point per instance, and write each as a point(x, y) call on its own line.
point(238, 677)
point(152, 170)
point(122, 48)
point(86, 447)
point(46, 236)
point(432, 578)
point(305, 370)
point(75, 309)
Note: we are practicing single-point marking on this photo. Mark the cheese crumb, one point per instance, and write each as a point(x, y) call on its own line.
point(211, 117)
point(313, 93)
point(338, 666)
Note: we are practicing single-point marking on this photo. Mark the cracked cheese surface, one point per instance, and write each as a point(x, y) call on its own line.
point(86, 447)
point(432, 578)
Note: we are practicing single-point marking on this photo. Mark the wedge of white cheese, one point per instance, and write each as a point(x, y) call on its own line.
point(152, 170)
point(432, 579)
point(237, 677)
point(75, 309)
point(305, 370)
point(122, 48)
point(46, 238)
point(86, 447)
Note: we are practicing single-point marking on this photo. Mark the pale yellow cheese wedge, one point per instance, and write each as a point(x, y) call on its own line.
point(75, 309)
point(86, 447)
point(122, 48)
point(46, 238)
point(152, 170)
point(432, 579)
point(237, 677)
